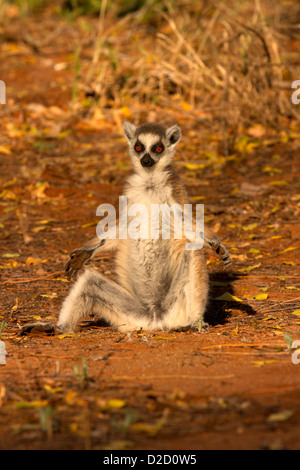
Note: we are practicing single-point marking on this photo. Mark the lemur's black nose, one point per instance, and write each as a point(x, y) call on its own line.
point(147, 161)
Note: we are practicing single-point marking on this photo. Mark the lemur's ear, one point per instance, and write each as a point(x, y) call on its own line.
point(173, 135)
point(129, 130)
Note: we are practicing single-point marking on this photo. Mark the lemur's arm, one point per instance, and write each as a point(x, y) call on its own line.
point(80, 255)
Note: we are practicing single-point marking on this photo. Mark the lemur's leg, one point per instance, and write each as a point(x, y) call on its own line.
point(186, 299)
point(92, 292)
point(213, 241)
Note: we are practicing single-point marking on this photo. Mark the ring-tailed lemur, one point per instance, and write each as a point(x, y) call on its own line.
point(160, 284)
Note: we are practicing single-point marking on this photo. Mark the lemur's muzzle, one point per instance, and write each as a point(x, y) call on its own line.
point(147, 161)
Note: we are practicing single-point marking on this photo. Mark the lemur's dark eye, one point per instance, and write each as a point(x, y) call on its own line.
point(158, 148)
point(138, 148)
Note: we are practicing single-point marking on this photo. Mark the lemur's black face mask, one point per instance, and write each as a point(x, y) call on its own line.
point(147, 161)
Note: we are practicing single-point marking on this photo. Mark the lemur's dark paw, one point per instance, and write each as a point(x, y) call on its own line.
point(76, 261)
point(224, 255)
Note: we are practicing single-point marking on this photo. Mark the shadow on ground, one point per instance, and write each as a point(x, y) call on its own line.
point(218, 312)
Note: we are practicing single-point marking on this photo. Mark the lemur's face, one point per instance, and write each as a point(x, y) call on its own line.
point(149, 148)
point(151, 145)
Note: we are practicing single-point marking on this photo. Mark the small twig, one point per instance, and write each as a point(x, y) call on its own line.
point(239, 345)
point(17, 281)
point(175, 376)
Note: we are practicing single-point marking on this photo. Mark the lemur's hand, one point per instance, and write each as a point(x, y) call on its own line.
point(214, 243)
point(77, 258)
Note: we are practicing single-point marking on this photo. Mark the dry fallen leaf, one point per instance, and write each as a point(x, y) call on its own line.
point(31, 404)
point(263, 363)
point(249, 268)
point(10, 255)
point(113, 403)
point(279, 183)
point(228, 297)
point(5, 149)
point(194, 166)
point(290, 248)
point(260, 296)
point(33, 261)
point(66, 336)
point(280, 416)
point(250, 227)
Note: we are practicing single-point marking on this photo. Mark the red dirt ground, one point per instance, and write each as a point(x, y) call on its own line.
point(233, 387)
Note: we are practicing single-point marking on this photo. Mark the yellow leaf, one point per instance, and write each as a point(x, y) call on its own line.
point(194, 166)
point(289, 263)
point(46, 221)
point(50, 296)
point(2, 394)
point(280, 416)
point(126, 112)
point(5, 149)
point(113, 403)
point(250, 268)
point(148, 428)
point(7, 194)
point(63, 134)
point(197, 198)
point(152, 429)
point(291, 288)
point(10, 255)
point(250, 227)
point(275, 208)
point(73, 427)
point(65, 336)
point(261, 296)
point(15, 307)
point(279, 183)
point(254, 251)
point(34, 261)
point(235, 331)
point(70, 397)
point(90, 224)
point(60, 279)
point(31, 404)
point(290, 248)
point(10, 264)
point(52, 389)
point(162, 337)
point(228, 297)
point(39, 229)
point(186, 106)
point(263, 363)
point(268, 169)
point(296, 312)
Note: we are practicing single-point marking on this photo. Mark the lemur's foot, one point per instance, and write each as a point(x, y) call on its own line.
point(38, 328)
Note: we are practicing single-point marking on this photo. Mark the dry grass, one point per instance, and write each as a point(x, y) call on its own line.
point(230, 63)
point(229, 59)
